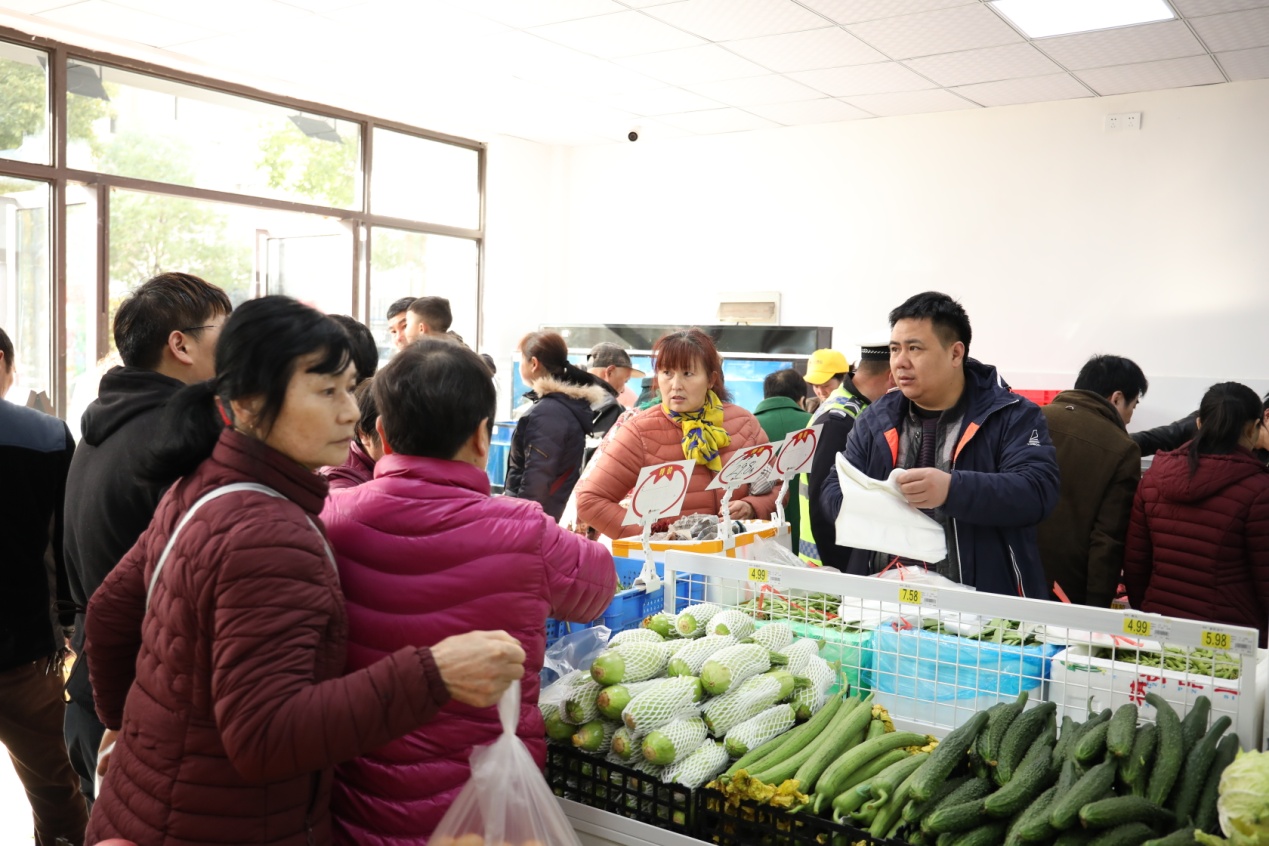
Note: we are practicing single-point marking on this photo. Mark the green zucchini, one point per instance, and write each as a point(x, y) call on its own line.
point(1180, 837)
point(999, 718)
point(1032, 777)
point(1135, 769)
point(1029, 725)
point(850, 801)
point(890, 815)
point(1032, 825)
point(831, 784)
point(1122, 731)
point(1169, 753)
point(1132, 834)
point(949, 755)
point(876, 728)
point(1121, 810)
point(1205, 818)
point(1092, 746)
point(887, 783)
point(843, 733)
point(789, 743)
point(851, 760)
point(1194, 726)
point(1189, 787)
point(1093, 785)
point(989, 834)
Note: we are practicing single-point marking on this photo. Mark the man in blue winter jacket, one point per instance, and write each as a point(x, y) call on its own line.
point(978, 456)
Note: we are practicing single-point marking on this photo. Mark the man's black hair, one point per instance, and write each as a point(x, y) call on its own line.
point(784, 383)
point(434, 312)
point(1105, 374)
point(365, 352)
point(431, 397)
point(170, 302)
point(6, 347)
point(948, 318)
point(400, 306)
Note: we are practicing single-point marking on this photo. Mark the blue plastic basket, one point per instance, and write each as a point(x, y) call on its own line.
point(629, 607)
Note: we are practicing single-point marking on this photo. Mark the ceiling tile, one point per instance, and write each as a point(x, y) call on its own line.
point(826, 110)
point(1123, 46)
point(661, 101)
point(323, 6)
point(224, 15)
point(1036, 89)
point(941, 31)
point(692, 65)
point(425, 22)
point(521, 15)
point(986, 65)
point(120, 22)
point(622, 34)
point(830, 47)
point(1151, 76)
point(728, 20)
point(855, 11)
point(1234, 31)
point(643, 4)
point(758, 91)
point(880, 78)
point(1198, 8)
point(910, 103)
point(717, 120)
point(35, 7)
point(1246, 64)
point(524, 56)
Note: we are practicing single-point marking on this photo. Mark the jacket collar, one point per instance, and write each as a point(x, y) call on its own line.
point(592, 394)
point(1092, 402)
point(262, 463)
point(773, 403)
point(438, 471)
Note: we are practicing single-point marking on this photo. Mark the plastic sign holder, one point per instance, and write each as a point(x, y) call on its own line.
point(745, 467)
point(658, 492)
point(797, 451)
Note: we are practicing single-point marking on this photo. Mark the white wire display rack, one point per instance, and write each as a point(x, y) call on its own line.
point(935, 656)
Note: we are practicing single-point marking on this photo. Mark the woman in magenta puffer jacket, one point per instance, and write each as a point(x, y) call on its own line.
point(424, 552)
point(1198, 539)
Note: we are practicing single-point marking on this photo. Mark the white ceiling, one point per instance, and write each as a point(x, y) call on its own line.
point(588, 71)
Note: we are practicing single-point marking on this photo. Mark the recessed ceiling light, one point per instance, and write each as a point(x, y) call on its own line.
point(1042, 18)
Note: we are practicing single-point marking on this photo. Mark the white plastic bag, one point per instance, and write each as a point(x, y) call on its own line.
point(875, 515)
point(574, 651)
point(506, 800)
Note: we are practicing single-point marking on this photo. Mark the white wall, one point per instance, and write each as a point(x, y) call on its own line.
point(1061, 239)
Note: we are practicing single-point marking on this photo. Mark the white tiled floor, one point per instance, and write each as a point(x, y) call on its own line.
point(16, 828)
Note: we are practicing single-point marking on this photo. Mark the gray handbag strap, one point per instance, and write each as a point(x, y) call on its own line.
point(216, 493)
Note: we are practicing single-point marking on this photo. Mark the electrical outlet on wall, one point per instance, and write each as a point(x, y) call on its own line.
point(1124, 121)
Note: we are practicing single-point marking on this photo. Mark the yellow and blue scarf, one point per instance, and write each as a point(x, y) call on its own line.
point(703, 433)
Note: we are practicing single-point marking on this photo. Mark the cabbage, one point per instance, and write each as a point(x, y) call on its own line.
point(1243, 803)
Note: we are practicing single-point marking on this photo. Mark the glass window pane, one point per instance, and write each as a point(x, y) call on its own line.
point(150, 128)
point(24, 115)
point(83, 345)
point(419, 179)
point(247, 251)
point(25, 291)
point(414, 264)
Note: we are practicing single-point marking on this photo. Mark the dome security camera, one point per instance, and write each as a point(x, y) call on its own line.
point(633, 135)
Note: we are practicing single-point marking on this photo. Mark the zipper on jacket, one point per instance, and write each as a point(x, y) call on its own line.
point(956, 532)
point(1017, 573)
point(956, 539)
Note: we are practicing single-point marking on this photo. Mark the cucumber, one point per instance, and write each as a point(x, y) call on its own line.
point(1075, 837)
point(915, 810)
point(1189, 787)
point(1033, 776)
point(972, 791)
point(1029, 725)
point(989, 834)
point(1093, 785)
point(1087, 726)
point(1121, 810)
point(1092, 745)
point(953, 818)
point(1180, 837)
point(1065, 737)
point(858, 757)
point(789, 743)
point(1032, 825)
point(949, 754)
point(889, 816)
point(1169, 754)
point(887, 783)
point(1132, 834)
point(833, 783)
point(1122, 731)
point(1205, 818)
point(1194, 726)
point(839, 737)
point(1135, 769)
point(999, 718)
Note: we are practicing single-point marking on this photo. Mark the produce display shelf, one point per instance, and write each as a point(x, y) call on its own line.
point(748, 824)
point(628, 607)
point(593, 781)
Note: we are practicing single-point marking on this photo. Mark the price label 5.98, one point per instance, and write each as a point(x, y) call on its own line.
point(910, 595)
point(1137, 626)
point(1215, 640)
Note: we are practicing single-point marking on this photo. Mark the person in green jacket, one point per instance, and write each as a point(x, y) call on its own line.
point(780, 413)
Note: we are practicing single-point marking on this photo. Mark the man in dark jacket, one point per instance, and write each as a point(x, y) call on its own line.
point(35, 454)
point(1082, 541)
point(1167, 437)
point(780, 413)
point(612, 367)
point(978, 457)
point(166, 334)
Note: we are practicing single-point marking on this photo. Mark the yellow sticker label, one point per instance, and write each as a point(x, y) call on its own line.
point(1137, 626)
point(1215, 640)
point(758, 574)
point(910, 595)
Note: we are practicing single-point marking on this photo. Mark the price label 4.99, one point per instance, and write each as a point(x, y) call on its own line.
point(1137, 627)
point(758, 574)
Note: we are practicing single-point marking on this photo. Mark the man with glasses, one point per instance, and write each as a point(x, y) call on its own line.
point(166, 333)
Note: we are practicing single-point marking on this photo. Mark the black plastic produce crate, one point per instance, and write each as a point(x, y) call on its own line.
point(592, 781)
point(750, 824)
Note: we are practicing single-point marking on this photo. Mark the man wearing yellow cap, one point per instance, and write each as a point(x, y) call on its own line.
point(844, 393)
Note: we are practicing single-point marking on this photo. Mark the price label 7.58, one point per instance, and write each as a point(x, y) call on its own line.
point(1137, 627)
point(910, 595)
point(1215, 640)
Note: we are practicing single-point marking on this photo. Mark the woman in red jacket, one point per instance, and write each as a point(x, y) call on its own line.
point(695, 420)
point(219, 674)
point(1198, 540)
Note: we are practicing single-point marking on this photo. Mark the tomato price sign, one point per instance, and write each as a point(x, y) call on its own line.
point(745, 466)
point(796, 452)
point(659, 492)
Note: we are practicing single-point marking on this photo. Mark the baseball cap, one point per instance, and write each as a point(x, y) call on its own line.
point(824, 365)
point(611, 355)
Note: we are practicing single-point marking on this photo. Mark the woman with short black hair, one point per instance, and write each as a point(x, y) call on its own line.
point(1198, 540)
